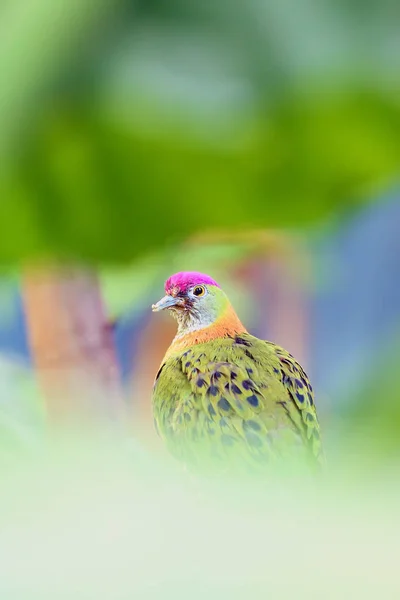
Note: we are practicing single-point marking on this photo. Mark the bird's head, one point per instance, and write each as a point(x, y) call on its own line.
point(195, 300)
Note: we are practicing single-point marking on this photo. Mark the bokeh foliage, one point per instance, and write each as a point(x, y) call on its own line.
point(125, 126)
point(131, 125)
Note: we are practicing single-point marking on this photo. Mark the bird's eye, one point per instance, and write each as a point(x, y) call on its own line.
point(199, 290)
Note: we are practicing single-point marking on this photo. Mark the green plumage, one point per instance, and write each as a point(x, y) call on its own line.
point(236, 403)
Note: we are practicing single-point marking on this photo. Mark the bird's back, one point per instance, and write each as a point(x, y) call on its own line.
point(236, 403)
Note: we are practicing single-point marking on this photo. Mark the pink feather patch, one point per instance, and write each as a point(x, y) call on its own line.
point(186, 279)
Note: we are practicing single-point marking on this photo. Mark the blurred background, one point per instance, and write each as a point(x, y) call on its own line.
point(256, 141)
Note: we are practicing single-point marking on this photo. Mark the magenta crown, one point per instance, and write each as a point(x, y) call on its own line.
point(187, 279)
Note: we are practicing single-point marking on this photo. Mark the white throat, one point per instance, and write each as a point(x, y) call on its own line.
point(188, 322)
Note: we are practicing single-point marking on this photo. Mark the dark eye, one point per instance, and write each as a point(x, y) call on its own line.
point(199, 290)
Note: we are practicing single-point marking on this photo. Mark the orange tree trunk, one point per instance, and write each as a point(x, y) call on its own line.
point(72, 346)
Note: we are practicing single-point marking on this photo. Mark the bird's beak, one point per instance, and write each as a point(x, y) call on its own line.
point(166, 302)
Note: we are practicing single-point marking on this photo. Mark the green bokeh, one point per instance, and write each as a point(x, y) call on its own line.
point(124, 130)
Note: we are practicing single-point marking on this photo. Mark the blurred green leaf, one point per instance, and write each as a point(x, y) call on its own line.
point(41, 41)
point(93, 189)
point(125, 130)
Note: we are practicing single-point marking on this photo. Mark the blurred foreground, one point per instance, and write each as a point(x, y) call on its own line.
point(97, 521)
point(257, 141)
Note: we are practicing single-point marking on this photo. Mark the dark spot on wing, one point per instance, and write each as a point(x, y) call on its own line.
point(239, 340)
point(159, 371)
point(251, 425)
point(223, 404)
point(249, 354)
point(252, 400)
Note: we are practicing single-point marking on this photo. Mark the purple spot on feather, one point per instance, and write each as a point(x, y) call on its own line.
point(252, 400)
point(241, 341)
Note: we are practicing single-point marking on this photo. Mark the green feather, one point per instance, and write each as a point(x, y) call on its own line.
point(236, 403)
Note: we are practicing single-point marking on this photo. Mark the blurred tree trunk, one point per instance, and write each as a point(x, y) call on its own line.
point(72, 346)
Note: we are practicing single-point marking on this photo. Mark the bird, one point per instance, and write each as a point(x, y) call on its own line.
point(225, 402)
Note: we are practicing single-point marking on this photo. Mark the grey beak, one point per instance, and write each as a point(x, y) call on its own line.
point(165, 302)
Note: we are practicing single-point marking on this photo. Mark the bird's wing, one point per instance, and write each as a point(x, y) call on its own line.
point(299, 404)
point(248, 394)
